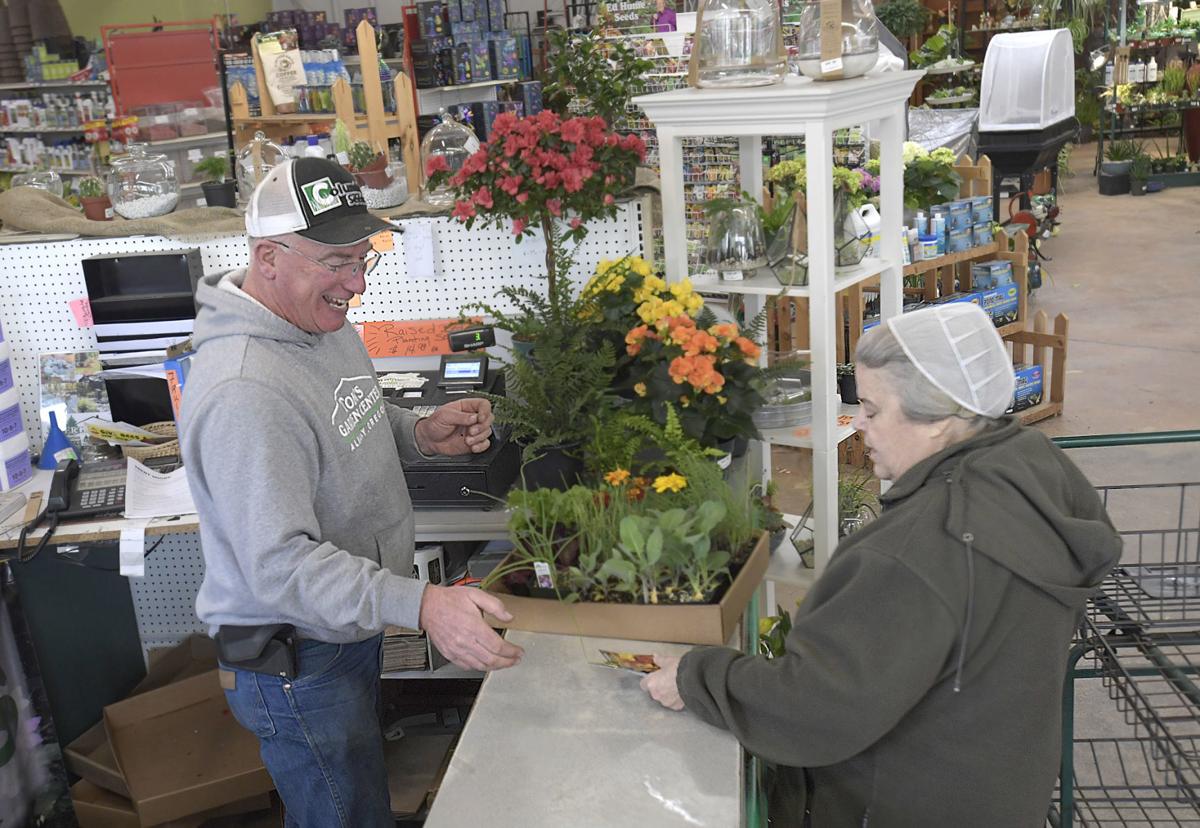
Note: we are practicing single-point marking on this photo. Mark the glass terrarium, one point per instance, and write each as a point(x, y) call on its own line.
point(859, 42)
point(735, 241)
point(143, 185)
point(394, 194)
point(453, 141)
point(47, 180)
point(254, 161)
point(740, 43)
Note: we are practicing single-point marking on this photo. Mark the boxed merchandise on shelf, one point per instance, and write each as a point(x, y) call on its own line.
point(1001, 304)
point(504, 59)
point(531, 96)
point(1028, 391)
point(992, 274)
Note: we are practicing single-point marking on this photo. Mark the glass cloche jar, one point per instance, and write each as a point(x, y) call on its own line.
point(735, 240)
point(143, 185)
point(453, 141)
point(47, 180)
point(254, 161)
point(859, 42)
point(740, 43)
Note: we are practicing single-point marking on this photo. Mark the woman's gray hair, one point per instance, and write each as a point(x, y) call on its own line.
point(920, 400)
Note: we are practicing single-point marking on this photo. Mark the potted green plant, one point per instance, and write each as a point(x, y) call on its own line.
point(847, 386)
point(368, 165)
point(1139, 174)
point(1118, 157)
point(904, 18)
point(94, 199)
point(219, 189)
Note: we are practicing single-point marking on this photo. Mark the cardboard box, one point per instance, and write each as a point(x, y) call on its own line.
point(91, 757)
point(181, 751)
point(991, 274)
point(505, 64)
point(98, 808)
point(1028, 391)
point(682, 623)
point(531, 96)
point(1001, 304)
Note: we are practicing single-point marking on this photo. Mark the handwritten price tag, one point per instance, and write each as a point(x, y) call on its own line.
point(382, 242)
point(424, 337)
point(82, 309)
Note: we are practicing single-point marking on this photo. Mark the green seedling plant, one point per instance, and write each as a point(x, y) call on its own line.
point(659, 549)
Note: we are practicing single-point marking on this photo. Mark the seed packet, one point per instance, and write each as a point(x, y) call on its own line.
point(641, 663)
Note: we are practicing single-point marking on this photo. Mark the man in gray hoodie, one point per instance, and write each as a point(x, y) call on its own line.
point(294, 462)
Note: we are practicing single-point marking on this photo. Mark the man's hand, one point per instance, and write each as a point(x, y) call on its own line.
point(451, 617)
point(662, 684)
point(461, 427)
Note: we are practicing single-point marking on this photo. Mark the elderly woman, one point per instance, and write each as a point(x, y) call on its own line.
point(922, 679)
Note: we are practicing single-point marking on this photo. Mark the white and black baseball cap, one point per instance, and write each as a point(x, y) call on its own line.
point(314, 198)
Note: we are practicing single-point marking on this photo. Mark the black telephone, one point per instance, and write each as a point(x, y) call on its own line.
point(84, 491)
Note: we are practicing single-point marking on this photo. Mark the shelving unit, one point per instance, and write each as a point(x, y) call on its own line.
point(376, 125)
point(797, 106)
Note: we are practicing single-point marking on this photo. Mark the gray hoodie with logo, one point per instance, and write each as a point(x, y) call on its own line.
point(293, 459)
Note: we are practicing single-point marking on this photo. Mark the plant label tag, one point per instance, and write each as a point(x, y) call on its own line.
point(343, 158)
point(542, 570)
point(732, 275)
point(724, 461)
point(195, 155)
point(828, 67)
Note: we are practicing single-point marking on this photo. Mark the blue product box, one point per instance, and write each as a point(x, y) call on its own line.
point(430, 47)
point(959, 241)
point(461, 11)
point(481, 60)
point(531, 96)
point(433, 19)
point(495, 14)
point(481, 13)
point(505, 63)
point(958, 217)
point(981, 209)
point(1028, 389)
point(465, 114)
point(982, 234)
point(974, 297)
point(990, 275)
point(464, 32)
point(463, 71)
point(486, 112)
point(1001, 304)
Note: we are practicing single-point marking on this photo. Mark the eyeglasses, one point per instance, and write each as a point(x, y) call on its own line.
point(367, 264)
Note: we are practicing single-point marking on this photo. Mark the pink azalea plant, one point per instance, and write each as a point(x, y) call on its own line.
point(541, 170)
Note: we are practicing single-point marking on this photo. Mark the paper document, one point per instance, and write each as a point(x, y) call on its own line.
point(133, 548)
point(401, 382)
point(151, 494)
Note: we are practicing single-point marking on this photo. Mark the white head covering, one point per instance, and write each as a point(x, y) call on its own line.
point(956, 347)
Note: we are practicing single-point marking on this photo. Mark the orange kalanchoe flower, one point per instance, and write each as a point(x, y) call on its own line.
point(747, 347)
point(726, 331)
point(616, 477)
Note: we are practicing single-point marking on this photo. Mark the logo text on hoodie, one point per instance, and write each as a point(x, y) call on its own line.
point(358, 407)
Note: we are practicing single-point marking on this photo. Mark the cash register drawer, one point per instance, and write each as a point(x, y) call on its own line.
point(477, 481)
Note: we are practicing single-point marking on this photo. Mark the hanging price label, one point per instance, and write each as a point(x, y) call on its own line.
point(830, 66)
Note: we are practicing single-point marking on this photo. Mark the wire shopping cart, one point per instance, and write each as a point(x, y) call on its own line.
point(1140, 642)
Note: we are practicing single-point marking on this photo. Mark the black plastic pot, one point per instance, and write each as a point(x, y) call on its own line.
point(221, 194)
point(848, 389)
point(1112, 184)
point(1137, 187)
point(557, 468)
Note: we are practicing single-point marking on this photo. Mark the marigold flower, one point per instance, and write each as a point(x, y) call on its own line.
point(670, 483)
point(616, 477)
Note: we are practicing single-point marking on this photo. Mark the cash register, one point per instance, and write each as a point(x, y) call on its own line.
point(470, 480)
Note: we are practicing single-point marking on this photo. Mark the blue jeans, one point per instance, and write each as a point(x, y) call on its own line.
point(319, 734)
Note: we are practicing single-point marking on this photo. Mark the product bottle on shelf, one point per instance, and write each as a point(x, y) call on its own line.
point(313, 150)
point(1108, 73)
point(1152, 71)
point(1137, 72)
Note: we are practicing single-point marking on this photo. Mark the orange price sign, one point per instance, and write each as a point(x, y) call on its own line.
point(419, 337)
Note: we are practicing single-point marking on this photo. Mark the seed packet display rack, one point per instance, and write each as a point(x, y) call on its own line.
point(814, 110)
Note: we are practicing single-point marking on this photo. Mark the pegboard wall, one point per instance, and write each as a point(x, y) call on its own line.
point(164, 601)
point(38, 282)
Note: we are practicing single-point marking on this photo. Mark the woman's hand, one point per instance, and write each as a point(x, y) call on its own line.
point(661, 684)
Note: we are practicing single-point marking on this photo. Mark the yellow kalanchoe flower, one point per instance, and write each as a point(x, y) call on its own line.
point(640, 389)
point(670, 483)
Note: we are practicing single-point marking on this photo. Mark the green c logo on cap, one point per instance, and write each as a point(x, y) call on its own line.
point(320, 196)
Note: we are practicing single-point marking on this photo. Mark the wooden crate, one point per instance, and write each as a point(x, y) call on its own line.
point(1041, 346)
point(376, 126)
